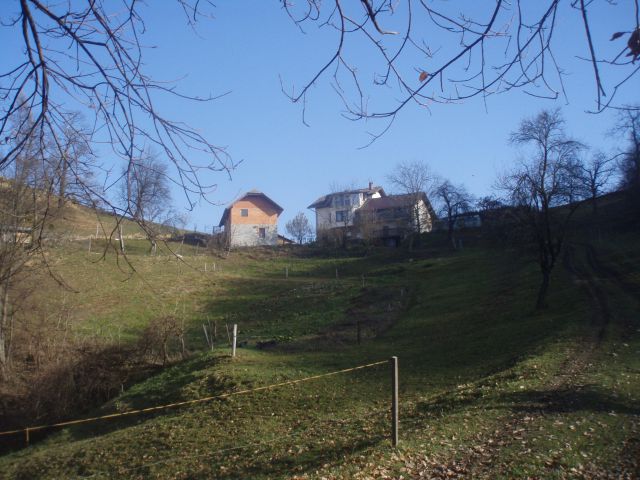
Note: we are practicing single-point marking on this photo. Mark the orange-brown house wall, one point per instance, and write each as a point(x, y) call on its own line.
point(261, 212)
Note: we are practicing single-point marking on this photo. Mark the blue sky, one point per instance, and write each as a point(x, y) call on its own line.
point(250, 46)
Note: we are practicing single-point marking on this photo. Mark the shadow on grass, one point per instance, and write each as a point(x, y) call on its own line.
point(265, 310)
point(164, 388)
point(298, 464)
point(566, 400)
point(563, 400)
point(167, 385)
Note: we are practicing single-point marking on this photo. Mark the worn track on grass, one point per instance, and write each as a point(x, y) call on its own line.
point(483, 459)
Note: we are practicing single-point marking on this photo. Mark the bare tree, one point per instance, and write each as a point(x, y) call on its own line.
point(21, 214)
point(423, 53)
point(416, 180)
point(147, 188)
point(76, 165)
point(89, 56)
point(299, 227)
point(628, 126)
point(537, 188)
point(16, 249)
point(488, 204)
point(595, 176)
point(146, 193)
point(454, 201)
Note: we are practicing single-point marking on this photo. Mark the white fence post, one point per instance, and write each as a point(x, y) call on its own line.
point(393, 361)
point(235, 339)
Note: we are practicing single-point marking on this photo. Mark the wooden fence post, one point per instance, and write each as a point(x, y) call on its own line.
point(206, 337)
point(235, 339)
point(393, 361)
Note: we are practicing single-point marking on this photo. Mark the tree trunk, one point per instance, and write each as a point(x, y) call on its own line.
point(452, 240)
point(544, 287)
point(63, 182)
point(4, 323)
point(594, 204)
point(34, 225)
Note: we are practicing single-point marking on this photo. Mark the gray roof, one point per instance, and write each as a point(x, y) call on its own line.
point(397, 201)
point(325, 200)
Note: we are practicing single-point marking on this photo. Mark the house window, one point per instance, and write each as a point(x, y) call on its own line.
point(244, 212)
point(262, 232)
point(341, 216)
point(342, 201)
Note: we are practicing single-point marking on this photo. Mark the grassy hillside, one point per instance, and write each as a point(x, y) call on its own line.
point(489, 387)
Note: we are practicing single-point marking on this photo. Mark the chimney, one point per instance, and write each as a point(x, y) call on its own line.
point(370, 185)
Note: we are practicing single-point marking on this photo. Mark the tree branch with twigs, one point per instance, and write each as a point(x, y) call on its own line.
point(389, 55)
point(539, 188)
point(91, 56)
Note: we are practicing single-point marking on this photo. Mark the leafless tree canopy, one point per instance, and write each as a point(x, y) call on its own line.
point(416, 179)
point(412, 178)
point(424, 52)
point(594, 176)
point(146, 193)
point(81, 57)
point(628, 126)
point(454, 200)
point(89, 56)
point(299, 227)
point(541, 181)
point(75, 161)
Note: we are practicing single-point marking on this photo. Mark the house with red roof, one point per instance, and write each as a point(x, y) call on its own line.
point(337, 210)
point(370, 214)
point(392, 218)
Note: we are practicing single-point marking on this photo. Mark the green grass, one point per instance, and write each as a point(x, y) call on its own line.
point(489, 387)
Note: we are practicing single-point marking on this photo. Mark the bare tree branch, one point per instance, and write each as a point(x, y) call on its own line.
point(90, 55)
point(500, 47)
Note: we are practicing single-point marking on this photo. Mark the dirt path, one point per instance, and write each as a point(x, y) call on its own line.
point(588, 278)
point(483, 459)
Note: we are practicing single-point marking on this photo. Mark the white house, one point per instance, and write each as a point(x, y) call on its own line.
point(372, 215)
point(337, 210)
